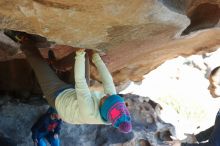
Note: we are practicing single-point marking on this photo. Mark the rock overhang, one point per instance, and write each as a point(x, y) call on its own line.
point(137, 36)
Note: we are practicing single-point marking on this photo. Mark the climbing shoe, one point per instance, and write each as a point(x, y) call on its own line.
point(18, 36)
point(21, 37)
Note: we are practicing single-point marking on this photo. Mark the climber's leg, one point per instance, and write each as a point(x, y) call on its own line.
point(53, 141)
point(42, 142)
point(50, 84)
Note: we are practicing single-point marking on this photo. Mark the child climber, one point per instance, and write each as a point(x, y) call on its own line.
point(79, 105)
point(47, 128)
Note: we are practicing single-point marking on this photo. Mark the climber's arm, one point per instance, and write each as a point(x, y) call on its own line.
point(204, 135)
point(82, 90)
point(109, 87)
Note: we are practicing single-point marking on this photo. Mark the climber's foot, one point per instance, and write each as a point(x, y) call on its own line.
point(23, 37)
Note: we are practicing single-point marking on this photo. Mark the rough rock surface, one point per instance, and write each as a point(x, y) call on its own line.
point(17, 118)
point(137, 36)
point(91, 24)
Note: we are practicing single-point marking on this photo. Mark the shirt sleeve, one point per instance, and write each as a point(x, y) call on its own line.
point(106, 78)
point(204, 135)
point(86, 104)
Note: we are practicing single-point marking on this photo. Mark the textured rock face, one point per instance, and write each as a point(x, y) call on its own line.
point(91, 24)
point(147, 126)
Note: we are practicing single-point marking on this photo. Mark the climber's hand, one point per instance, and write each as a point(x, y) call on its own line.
point(56, 136)
point(174, 143)
point(80, 49)
point(35, 142)
point(190, 138)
